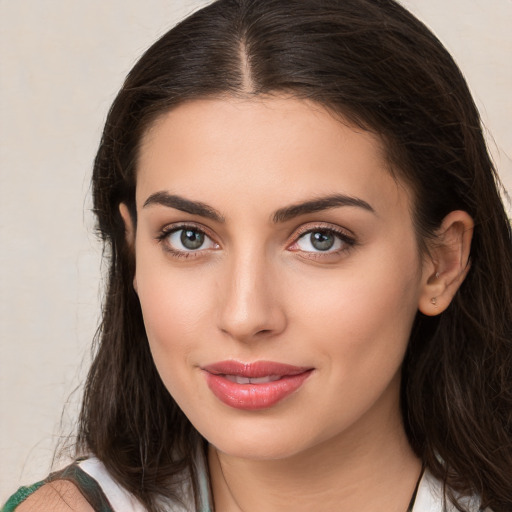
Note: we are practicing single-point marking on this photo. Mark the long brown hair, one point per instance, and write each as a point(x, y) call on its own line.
point(379, 67)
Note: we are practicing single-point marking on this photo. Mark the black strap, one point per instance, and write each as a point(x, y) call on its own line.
point(88, 487)
point(413, 497)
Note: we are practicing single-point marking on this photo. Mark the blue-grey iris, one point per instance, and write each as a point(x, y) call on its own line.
point(191, 239)
point(322, 241)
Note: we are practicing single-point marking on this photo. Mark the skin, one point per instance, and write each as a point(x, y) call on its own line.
point(258, 289)
point(58, 496)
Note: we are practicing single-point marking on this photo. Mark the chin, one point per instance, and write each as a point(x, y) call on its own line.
point(258, 440)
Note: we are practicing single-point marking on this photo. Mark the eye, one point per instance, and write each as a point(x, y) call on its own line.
point(318, 240)
point(185, 239)
point(322, 240)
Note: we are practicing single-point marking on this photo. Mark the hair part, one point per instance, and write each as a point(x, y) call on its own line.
point(375, 65)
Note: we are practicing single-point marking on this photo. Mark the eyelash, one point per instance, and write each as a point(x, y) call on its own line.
point(348, 241)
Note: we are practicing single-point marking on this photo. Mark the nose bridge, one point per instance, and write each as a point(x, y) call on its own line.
point(250, 307)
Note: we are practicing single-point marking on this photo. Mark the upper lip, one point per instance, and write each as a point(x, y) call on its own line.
point(254, 370)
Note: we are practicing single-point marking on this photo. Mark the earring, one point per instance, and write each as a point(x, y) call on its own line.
point(433, 301)
point(437, 275)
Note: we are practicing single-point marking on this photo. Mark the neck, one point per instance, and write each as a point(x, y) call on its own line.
point(365, 470)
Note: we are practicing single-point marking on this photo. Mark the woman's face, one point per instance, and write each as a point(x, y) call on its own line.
point(273, 244)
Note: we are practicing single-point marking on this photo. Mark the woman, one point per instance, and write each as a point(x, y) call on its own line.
point(309, 303)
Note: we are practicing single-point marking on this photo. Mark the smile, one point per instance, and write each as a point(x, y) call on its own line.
point(254, 386)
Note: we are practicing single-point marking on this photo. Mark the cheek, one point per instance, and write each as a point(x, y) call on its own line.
point(173, 315)
point(176, 307)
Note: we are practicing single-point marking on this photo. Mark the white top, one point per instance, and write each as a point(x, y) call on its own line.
point(120, 499)
point(429, 497)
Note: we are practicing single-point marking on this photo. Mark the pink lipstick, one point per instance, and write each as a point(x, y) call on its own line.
point(253, 386)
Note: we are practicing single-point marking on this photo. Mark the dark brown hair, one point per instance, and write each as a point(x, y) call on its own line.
point(375, 64)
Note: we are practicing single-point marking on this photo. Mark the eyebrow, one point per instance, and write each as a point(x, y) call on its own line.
point(184, 205)
point(281, 215)
point(319, 204)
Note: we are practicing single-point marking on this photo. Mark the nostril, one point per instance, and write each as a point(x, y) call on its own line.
point(263, 332)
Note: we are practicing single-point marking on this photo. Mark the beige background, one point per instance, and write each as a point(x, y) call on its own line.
point(62, 62)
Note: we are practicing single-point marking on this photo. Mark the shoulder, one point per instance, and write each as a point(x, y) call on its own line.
point(68, 489)
point(56, 496)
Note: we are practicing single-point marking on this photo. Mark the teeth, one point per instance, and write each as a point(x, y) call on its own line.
point(250, 380)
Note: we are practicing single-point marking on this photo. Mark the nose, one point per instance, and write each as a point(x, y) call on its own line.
point(250, 307)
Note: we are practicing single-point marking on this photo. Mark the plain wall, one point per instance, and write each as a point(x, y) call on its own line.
point(62, 63)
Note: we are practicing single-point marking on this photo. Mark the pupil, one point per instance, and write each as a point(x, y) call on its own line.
point(322, 241)
point(191, 239)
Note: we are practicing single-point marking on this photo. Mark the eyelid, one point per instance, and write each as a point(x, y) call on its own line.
point(323, 226)
point(175, 226)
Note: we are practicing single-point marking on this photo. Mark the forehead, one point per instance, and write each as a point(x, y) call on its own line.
point(280, 148)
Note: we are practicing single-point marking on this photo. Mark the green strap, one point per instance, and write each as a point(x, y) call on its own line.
point(20, 496)
point(87, 486)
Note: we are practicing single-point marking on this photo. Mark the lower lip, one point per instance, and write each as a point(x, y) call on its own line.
point(252, 397)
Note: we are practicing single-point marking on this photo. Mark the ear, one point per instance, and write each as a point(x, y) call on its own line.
point(448, 263)
point(129, 228)
point(129, 233)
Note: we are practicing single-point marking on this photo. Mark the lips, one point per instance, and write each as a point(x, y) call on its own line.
point(253, 386)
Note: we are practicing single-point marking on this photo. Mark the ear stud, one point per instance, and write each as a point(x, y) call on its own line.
point(433, 301)
point(437, 275)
